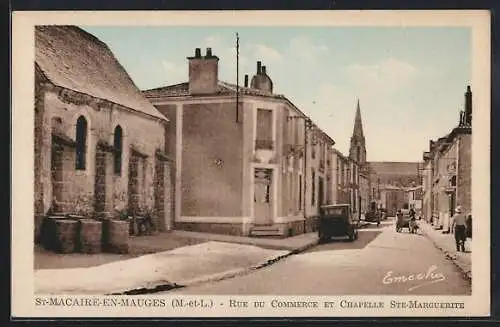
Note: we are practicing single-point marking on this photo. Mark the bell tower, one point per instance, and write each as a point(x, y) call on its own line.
point(357, 150)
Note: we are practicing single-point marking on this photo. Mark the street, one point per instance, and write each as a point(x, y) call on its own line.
point(380, 261)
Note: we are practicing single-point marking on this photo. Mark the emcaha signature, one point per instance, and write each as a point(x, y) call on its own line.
point(430, 276)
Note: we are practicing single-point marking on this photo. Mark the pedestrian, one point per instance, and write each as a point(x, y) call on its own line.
point(412, 212)
point(459, 227)
point(399, 220)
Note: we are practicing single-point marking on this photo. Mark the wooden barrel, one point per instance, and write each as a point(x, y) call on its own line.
point(117, 236)
point(90, 236)
point(65, 232)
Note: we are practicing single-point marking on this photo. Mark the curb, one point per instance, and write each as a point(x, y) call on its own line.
point(457, 260)
point(216, 277)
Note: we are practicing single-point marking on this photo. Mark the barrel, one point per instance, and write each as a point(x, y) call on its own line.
point(65, 232)
point(90, 236)
point(117, 236)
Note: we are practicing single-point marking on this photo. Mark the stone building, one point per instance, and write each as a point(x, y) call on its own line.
point(448, 170)
point(248, 161)
point(99, 144)
point(348, 183)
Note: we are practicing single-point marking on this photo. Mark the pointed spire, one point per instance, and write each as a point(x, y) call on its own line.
point(358, 125)
point(357, 150)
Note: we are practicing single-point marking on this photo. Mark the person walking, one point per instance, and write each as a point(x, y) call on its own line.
point(459, 228)
point(399, 221)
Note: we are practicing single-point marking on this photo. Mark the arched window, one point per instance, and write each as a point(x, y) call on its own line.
point(358, 154)
point(118, 146)
point(81, 143)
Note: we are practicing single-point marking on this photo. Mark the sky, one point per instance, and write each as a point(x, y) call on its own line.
point(410, 81)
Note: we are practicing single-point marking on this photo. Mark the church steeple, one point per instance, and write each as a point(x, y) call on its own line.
point(358, 125)
point(357, 150)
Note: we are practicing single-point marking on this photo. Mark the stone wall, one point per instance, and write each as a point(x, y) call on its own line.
point(77, 189)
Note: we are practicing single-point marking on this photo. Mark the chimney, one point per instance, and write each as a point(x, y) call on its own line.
point(203, 72)
point(259, 67)
point(468, 106)
point(246, 80)
point(264, 70)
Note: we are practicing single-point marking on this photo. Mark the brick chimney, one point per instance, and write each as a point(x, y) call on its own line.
point(468, 106)
point(203, 72)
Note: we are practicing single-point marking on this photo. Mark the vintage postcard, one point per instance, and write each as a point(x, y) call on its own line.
point(251, 163)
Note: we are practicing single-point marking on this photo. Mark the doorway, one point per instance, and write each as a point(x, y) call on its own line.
point(263, 198)
point(453, 204)
point(320, 192)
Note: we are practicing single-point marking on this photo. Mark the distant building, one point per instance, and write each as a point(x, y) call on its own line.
point(99, 144)
point(357, 153)
point(392, 179)
point(248, 161)
point(447, 172)
point(414, 198)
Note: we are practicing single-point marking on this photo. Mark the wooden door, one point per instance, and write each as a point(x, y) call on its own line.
point(263, 199)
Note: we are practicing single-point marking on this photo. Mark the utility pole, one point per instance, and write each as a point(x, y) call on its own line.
point(237, 77)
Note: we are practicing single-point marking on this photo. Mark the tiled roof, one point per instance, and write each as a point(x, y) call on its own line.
point(224, 88)
point(398, 168)
point(74, 59)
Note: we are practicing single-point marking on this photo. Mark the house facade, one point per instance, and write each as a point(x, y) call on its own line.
point(247, 160)
point(99, 144)
point(427, 195)
point(414, 198)
point(449, 170)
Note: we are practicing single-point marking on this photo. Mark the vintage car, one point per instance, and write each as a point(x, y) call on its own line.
point(336, 220)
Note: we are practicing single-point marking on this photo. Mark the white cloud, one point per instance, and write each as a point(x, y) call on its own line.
point(386, 76)
point(174, 73)
point(303, 48)
point(213, 41)
point(266, 54)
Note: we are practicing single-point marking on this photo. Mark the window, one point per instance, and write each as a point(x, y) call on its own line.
point(118, 147)
point(358, 154)
point(81, 143)
point(264, 138)
point(313, 188)
point(300, 192)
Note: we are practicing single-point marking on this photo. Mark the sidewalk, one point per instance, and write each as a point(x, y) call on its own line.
point(446, 243)
point(184, 266)
point(295, 244)
point(212, 257)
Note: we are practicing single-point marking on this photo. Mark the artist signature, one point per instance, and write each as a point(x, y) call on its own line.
point(428, 277)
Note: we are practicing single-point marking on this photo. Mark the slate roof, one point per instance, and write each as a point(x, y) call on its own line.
point(74, 59)
point(394, 168)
